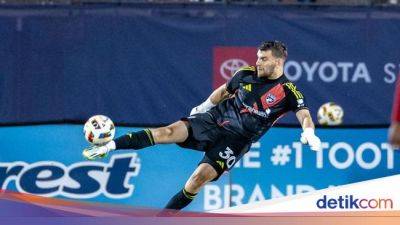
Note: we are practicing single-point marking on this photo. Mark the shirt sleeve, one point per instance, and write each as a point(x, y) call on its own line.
point(396, 103)
point(295, 98)
point(233, 84)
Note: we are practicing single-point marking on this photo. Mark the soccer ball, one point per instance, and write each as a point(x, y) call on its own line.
point(330, 114)
point(99, 130)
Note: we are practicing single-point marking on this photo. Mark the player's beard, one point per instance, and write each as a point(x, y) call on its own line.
point(267, 71)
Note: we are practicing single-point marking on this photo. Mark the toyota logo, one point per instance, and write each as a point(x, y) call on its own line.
point(230, 66)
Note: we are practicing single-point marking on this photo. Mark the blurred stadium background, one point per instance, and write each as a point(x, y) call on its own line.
point(147, 63)
point(274, 2)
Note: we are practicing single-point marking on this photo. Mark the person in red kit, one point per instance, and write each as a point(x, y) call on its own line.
point(394, 129)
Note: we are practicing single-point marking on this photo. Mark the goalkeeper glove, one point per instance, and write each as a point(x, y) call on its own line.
point(308, 137)
point(203, 107)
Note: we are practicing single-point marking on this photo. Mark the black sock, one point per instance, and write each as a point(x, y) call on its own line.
point(180, 200)
point(135, 140)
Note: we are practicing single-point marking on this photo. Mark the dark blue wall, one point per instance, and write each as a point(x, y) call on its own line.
point(151, 64)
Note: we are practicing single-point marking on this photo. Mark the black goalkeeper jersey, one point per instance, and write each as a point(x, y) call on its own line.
point(257, 103)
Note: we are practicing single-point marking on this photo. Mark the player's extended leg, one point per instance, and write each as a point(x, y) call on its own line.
point(174, 133)
point(202, 175)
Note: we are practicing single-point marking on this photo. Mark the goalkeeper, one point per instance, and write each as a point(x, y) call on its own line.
point(235, 115)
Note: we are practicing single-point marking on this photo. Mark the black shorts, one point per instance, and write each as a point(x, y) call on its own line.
point(222, 148)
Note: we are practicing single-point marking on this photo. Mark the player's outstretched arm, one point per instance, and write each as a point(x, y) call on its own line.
point(216, 97)
point(308, 136)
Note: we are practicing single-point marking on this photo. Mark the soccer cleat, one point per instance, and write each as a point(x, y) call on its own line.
point(95, 151)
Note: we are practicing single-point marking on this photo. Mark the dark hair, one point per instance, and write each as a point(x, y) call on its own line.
point(277, 48)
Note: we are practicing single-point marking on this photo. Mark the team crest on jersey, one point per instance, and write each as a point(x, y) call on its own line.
point(270, 98)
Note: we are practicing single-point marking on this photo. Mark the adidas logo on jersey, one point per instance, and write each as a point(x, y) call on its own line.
point(247, 87)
